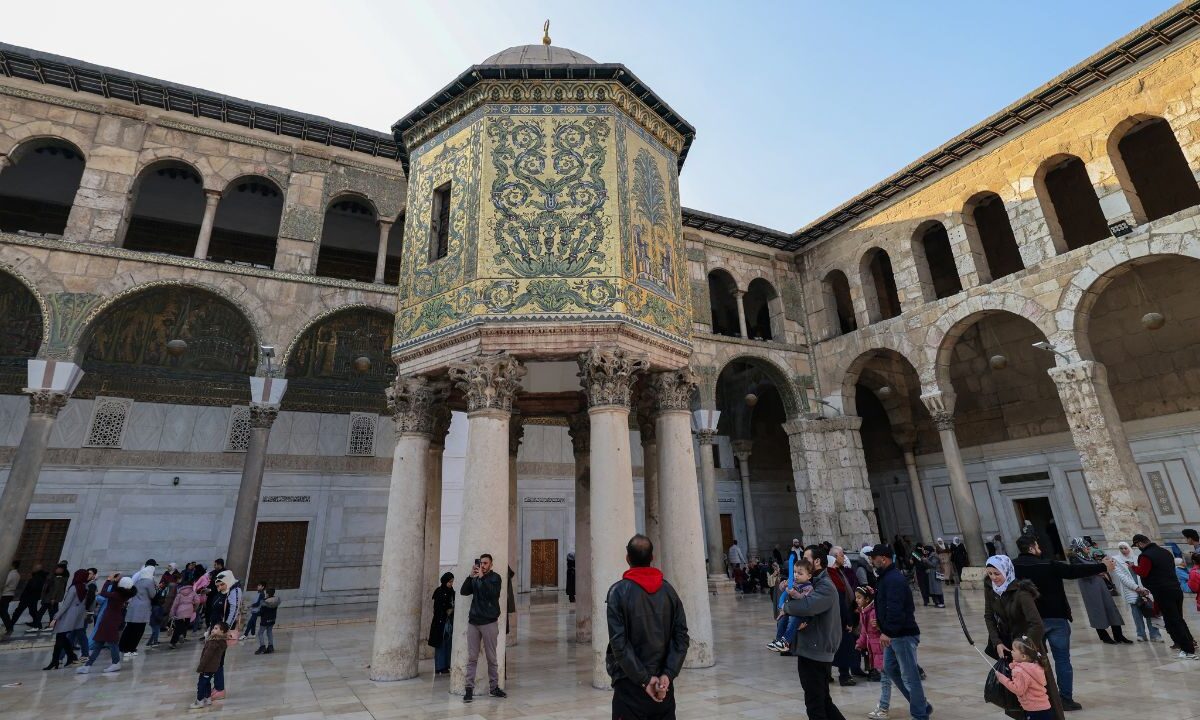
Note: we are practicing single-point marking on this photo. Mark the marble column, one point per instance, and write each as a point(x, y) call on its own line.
point(385, 228)
point(608, 376)
point(211, 199)
point(489, 383)
point(650, 479)
point(1113, 478)
point(580, 431)
point(398, 631)
point(918, 496)
point(741, 450)
point(432, 573)
point(941, 408)
point(245, 512)
point(741, 310)
point(516, 432)
point(718, 581)
point(44, 406)
point(682, 550)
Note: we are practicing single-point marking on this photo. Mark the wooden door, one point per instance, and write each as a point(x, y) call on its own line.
point(726, 533)
point(41, 544)
point(543, 563)
point(278, 559)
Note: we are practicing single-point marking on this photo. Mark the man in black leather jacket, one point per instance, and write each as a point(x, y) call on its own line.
point(647, 638)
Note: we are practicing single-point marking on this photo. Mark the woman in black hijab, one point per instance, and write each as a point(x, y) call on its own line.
point(441, 628)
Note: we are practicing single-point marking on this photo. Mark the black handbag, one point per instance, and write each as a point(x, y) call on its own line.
point(996, 694)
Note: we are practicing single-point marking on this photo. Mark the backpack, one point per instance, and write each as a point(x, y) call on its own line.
point(160, 596)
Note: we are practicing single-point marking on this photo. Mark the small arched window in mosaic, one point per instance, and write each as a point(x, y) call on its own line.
point(361, 440)
point(237, 435)
point(107, 428)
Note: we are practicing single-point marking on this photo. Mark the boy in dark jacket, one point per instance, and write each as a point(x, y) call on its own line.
point(210, 661)
point(255, 607)
point(267, 611)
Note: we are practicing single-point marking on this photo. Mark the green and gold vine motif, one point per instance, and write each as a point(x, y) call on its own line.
point(651, 230)
point(549, 196)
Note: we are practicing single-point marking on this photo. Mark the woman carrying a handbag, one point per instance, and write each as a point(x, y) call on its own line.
point(1010, 611)
point(1128, 584)
point(1098, 592)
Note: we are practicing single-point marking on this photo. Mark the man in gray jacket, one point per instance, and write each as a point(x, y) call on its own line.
point(818, 640)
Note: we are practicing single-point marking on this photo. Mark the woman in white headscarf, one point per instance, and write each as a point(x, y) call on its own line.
point(1128, 584)
point(1097, 596)
point(1010, 612)
point(137, 613)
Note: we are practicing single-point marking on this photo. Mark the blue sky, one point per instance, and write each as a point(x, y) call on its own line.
point(798, 106)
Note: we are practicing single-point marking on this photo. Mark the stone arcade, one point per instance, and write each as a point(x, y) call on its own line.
point(344, 358)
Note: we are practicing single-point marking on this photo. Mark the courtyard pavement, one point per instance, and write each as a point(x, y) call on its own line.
point(320, 672)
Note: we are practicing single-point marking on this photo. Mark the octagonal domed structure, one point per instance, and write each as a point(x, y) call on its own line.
point(538, 55)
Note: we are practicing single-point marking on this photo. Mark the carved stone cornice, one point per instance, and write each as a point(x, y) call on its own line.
point(608, 376)
point(516, 432)
point(412, 400)
point(489, 382)
point(579, 426)
point(673, 389)
point(46, 402)
point(262, 415)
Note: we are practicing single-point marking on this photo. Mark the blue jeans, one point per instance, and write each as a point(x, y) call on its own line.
point(885, 690)
point(154, 630)
point(114, 652)
point(204, 686)
point(900, 664)
point(266, 636)
point(441, 656)
point(785, 628)
point(252, 626)
point(78, 638)
point(1058, 641)
point(1141, 622)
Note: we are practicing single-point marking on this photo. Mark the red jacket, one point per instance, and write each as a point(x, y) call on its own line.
point(113, 615)
point(1194, 583)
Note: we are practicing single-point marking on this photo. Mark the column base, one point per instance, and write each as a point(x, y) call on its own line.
point(720, 585)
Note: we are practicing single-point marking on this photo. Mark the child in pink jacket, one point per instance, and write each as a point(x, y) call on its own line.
point(869, 644)
point(183, 612)
point(1028, 680)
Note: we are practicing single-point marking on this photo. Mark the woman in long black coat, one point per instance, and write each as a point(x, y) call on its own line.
point(571, 576)
point(441, 627)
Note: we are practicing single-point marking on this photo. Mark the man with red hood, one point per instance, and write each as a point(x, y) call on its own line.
point(647, 638)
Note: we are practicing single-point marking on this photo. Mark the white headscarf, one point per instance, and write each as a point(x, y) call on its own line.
point(1005, 565)
point(146, 572)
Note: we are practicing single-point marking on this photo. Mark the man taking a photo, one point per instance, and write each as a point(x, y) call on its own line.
point(647, 638)
point(484, 586)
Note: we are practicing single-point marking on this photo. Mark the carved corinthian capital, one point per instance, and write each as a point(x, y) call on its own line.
point(580, 428)
point(46, 402)
point(490, 382)
point(412, 401)
point(262, 415)
point(673, 389)
point(941, 408)
point(608, 376)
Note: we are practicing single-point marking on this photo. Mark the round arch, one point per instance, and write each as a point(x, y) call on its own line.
point(951, 325)
point(322, 317)
point(15, 137)
point(83, 336)
point(19, 336)
point(858, 369)
point(792, 404)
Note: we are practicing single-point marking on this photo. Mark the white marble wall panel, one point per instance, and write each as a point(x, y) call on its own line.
point(385, 436)
point(178, 428)
point(14, 409)
point(281, 434)
point(144, 426)
point(305, 429)
point(331, 434)
point(72, 424)
point(208, 434)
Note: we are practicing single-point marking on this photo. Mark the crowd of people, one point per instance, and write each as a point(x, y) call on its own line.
point(88, 615)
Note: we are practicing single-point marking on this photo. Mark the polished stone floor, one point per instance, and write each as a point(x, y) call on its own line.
point(319, 672)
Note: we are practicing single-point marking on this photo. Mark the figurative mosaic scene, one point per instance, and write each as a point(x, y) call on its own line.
point(470, 416)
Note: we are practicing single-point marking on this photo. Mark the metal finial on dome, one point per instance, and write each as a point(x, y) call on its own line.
point(546, 33)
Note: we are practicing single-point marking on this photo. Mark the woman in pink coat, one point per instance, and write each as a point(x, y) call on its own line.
point(868, 643)
point(183, 612)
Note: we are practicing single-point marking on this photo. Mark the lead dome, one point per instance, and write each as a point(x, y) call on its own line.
point(538, 55)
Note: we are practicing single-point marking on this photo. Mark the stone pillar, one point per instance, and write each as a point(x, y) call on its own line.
point(211, 199)
point(608, 377)
point(489, 383)
point(741, 449)
point(432, 573)
point(833, 495)
point(398, 631)
point(718, 581)
point(650, 479)
point(515, 432)
point(580, 430)
point(741, 309)
point(385, 228)
point(26, 466)
point(245, 512)
point(1113, 478)
point(941, 407)
point(918, 495)
point(682, 548)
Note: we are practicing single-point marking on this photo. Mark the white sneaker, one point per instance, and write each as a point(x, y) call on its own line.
point(878, 713)
point(200, 704)
point(115, 667)
point(84, 670)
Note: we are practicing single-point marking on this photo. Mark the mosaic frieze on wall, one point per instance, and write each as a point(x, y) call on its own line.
point(328, 351)
point(571, 219)
point(136, 332)
point(20, 321)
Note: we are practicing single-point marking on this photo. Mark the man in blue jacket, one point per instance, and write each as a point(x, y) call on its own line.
point(898, 631)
